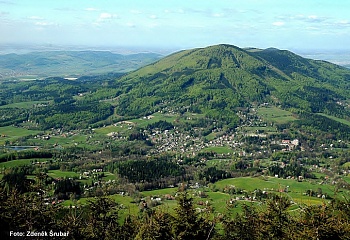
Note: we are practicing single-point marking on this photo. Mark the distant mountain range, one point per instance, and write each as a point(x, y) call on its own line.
point(338, 57)
point(70, 63)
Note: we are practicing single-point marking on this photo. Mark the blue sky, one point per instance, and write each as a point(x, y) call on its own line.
point(177, 24)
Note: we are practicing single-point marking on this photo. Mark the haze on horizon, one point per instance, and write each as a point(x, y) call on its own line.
point(175, 24)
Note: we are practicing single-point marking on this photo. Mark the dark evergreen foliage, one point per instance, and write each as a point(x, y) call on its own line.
point(161, 125)
point(147, 171)
point(65, 187)
point(101, 220)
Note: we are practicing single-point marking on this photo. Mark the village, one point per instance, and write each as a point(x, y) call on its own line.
point(233, 141)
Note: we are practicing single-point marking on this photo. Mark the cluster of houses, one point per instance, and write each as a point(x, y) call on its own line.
point(192, 142)
point(188, 142)
point(289, 144)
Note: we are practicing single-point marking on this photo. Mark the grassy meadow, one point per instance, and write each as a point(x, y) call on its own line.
point(24, 105)
point(276, 115)
point(295, 192)
point(11, 133)
point(20, 162)
point(62, 174)
point(218, 150)
point(344, 121)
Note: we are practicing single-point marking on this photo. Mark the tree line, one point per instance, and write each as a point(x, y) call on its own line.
point(103, 218)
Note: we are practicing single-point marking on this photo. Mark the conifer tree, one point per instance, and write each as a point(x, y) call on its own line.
point(244, 226)
point(276, 220)
point(188, 224)
point(157, 226)
point(103, 219)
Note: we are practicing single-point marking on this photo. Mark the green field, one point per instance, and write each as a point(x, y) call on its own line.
point(11, 133)
point(129, 206)
point(20, 162)
point(125, 201)
point(216, 162)
point(347, 179)
point(274, 114)
point(219, 150)
point(143, 122)
point(62, 174)
point(272, 184)
point(319, 175)
point(296, 189)
point(25, 105)
point(211, 136)
point(219, 200)
point(61, 140)
point(346, 122)
point(126, 126)
point(160, 192)
point(120, 128)
point(109, 176)
point(260, 129)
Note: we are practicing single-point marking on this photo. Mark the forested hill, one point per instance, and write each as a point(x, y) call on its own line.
point(218, 80)
point(68, 63)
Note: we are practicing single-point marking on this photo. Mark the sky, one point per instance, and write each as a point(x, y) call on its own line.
point(176, 24)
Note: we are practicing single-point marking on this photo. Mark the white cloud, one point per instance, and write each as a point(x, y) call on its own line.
point(312, 17)
point(66, 9)
point(343, 22)
point(91, 9)
point(44, 24)
point(35, 18)
point(131, 25)
point(218, 15)
point(153, 17)
point(278, 24)
point(134, 11)
point(309, 18)
point(104, 17)
point(107, 16)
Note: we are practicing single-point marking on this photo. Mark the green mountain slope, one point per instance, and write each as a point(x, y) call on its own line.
point(222, 83)
point(219, 80)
